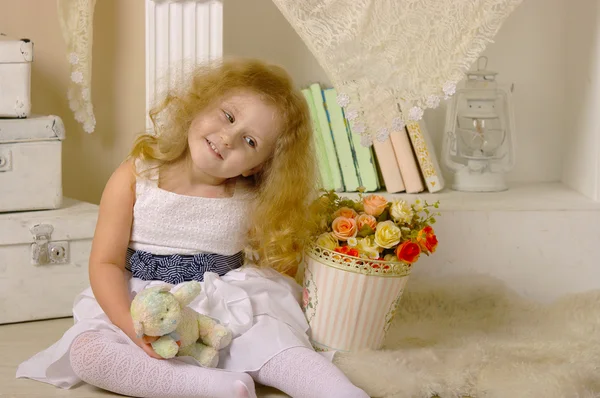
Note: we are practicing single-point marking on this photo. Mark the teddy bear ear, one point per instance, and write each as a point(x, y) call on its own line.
point(138, 326)
point(165, 288)
point(157, 289)
point(187, 292)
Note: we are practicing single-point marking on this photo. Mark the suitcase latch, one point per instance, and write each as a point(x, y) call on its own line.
point(5, 160)
point(43, 250)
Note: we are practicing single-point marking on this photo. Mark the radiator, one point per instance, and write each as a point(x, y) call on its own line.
point(179, 35)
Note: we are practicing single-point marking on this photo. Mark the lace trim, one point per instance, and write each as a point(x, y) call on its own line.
point(357, 265)
point(76, 22)
point(386, 58)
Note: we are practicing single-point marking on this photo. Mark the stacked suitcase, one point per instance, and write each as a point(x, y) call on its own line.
point(45, 239)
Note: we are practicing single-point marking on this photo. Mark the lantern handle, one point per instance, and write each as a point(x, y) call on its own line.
point(484, 58)
point(482, 74)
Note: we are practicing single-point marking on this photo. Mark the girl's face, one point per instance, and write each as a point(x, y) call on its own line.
point(234, 136)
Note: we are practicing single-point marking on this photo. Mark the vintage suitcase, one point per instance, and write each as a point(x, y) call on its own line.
point(15, 76)
point(30, 163)
point(44, 260)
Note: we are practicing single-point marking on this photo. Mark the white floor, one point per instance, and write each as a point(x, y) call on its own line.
point(21, 340)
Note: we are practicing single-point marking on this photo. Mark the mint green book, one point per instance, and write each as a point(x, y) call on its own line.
point(322, 164)
point(343, 147)
point(365, 160)
point(332, 159)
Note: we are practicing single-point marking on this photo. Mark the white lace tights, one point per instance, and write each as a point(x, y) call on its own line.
point(111, 363)
point(303, 373)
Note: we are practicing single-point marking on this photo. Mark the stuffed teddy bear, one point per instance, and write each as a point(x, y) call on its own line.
point(183, 332)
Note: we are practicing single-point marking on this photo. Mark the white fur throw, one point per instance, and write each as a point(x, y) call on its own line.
point(471, 336)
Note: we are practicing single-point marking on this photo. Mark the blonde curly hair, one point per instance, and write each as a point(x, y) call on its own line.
point(287, 181)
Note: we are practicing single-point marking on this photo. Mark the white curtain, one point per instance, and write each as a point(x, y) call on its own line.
point(76, 23)
point(391, 59)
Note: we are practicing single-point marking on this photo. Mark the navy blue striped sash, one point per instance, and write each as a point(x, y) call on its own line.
point(178, 268)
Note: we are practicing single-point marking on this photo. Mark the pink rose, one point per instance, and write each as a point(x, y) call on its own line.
point(366, 219)
point(345, 212)
point(344, 228)
point(305, 298)
point(374, 204)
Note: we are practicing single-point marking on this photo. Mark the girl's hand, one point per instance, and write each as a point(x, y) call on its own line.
point(145, 344)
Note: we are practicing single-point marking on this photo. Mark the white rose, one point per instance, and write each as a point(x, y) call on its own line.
point(368, 247)
point(327, 240)
point(391, 257)
point(401, 211)
point(387, 234)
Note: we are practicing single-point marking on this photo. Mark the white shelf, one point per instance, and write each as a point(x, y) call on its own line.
point(538, 196)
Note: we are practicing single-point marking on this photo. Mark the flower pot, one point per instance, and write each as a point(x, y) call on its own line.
point(349, 302)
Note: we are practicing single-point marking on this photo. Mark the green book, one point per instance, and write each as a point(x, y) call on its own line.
point(325, 130)
point(343, 146)
point(367, 165)
point(322, 163)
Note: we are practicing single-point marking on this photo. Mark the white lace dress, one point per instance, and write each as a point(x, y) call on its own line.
point(260, 306)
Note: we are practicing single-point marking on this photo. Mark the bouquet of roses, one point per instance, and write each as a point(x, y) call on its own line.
point(373, 228)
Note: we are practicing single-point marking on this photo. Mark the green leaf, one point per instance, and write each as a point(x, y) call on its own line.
point(432, 220)
point(365, 231)
point(347, 203)
point(384, 216)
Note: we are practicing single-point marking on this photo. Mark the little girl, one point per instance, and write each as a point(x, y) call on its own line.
point(230, 166)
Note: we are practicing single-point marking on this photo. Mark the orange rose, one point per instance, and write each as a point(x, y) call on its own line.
point(374, 204)
point(427, 240)
point(347, 251)
point(344, 228)
point(345, 212)
point(408, 252)
point(342, 249)
point(366, 219)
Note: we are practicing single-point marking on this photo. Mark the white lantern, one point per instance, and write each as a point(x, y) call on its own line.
point(478, 145)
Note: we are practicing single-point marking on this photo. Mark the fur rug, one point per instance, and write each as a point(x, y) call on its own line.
point(471, 336)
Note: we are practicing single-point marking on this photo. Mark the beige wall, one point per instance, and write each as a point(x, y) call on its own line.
point(118, 86)
point(581, 168)
point(256, 28)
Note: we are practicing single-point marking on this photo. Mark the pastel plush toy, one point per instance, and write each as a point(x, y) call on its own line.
point(184, 332)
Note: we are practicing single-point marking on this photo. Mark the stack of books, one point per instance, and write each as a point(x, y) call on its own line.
point(405, 162)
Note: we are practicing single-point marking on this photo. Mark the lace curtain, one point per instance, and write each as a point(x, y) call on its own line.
point(391, 59)
point(76, 23)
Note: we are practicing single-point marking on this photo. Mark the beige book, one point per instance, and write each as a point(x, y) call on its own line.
point(386, 157)
point(425, 154)
point(407, 162)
